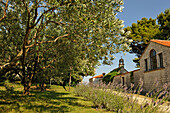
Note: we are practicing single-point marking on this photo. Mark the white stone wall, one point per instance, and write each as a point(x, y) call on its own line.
point(96, 80)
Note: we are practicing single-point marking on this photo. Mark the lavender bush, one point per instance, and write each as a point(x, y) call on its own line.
point(118, 98)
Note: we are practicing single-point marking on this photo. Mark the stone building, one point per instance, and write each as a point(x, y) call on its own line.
point(96, 79)
point(154, 67)
point(119, 70)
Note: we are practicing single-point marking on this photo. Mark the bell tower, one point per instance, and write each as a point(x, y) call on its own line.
point(121, 62)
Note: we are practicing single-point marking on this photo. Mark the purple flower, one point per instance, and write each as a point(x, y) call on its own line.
point(141, 107)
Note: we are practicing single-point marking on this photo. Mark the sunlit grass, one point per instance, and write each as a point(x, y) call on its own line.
point(54, 100)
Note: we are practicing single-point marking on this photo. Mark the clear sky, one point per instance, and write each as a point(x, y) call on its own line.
point(134, 10)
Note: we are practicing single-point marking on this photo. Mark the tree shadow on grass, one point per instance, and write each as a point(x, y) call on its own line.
point(48, 101)
point(47, 108)
point(73, 103)
point(6, 103)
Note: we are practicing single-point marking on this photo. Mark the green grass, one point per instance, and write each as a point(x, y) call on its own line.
point(54, 100)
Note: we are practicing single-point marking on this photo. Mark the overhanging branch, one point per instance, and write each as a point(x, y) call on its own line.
point(6, 6)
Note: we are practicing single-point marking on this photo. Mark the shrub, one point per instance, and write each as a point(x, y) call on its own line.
point(102, 97)
point(116, 98)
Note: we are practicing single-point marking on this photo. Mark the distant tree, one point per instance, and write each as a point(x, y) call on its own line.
point(164, 23)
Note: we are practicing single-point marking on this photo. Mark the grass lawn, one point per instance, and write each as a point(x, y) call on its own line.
point(54, 100)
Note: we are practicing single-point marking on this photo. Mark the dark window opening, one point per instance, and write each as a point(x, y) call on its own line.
point(123, 81)
point(146, 65)
point(153, 61)
point(161, 60)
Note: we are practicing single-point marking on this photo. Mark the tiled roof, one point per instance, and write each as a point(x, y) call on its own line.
point(162, 42)
point(98, 76)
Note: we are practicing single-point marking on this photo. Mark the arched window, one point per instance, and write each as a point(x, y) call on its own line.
point(153, 61)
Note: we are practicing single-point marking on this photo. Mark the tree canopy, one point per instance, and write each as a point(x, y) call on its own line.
point(65, 35)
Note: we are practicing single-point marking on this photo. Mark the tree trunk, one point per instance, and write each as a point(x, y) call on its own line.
point(27, 85)
point(42, 86)
point(64, 87)
point(70, 81)
point(50, 81)
point(27, 88)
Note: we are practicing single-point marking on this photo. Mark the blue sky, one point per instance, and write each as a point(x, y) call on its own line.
point(134, 10)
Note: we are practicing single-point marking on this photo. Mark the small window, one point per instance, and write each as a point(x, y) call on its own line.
point(153, 61)
point(123, 81)
point(161, 60)
point(146, 65)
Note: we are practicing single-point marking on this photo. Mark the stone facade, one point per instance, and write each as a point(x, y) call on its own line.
point(128, 78)
point(159, 75)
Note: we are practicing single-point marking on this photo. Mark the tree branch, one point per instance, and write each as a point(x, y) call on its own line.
point(58, 23)
point(54, 40)
point(51, 9)
point(49, 64)
point(35, 43)
point(27, 8)
point(9, 66)
point(36, 13)
point(6, 6)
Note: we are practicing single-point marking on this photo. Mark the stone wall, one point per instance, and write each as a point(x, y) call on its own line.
point(137, 76)
point(128, 80)
point(152, 78)
point(117, 80)
point(130, 77)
